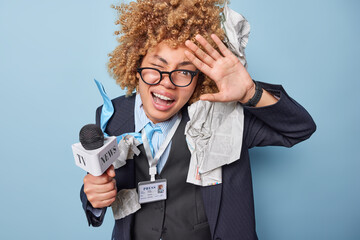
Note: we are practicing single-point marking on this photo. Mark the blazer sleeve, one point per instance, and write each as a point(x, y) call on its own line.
point(92, 219)
point(95, 216)
point(285, 123)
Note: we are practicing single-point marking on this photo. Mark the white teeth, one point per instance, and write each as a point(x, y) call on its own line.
point(162, 97)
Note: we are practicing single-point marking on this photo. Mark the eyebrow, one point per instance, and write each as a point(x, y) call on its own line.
point(161, 59)
point(185, 63)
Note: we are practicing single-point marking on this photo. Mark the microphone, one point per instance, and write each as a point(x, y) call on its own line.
point(95, 153)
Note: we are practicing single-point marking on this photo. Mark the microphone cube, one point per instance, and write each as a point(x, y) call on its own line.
point(98, 160)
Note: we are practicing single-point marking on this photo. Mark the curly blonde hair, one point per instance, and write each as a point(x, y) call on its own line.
point(146, 23)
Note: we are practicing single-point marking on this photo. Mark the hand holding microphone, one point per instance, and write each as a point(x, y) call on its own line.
point(95, 154)
point(101, 190)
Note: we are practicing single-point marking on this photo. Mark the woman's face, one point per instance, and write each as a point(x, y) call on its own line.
point(164, 100)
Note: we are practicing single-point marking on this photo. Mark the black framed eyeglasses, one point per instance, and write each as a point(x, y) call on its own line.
point(178, 77)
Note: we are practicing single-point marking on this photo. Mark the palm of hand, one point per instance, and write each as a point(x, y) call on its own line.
point(230, 76)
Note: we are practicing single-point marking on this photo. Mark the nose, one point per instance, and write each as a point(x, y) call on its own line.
point(166, 82)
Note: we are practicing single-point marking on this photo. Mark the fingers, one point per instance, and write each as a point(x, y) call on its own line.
point(101, 190)
point(198, 63)
point(211, 53)
point(209, 49)
point(102, 200)
point(205, 61)
point(110, 171)
point(90, 187)
point(102, 179)
point(209, 57)
point(200, 53)
point(102, 196)
point(223, 49)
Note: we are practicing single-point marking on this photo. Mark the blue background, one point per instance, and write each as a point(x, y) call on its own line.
point(50, 51)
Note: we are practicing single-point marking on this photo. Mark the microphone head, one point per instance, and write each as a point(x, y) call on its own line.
point(91, 137)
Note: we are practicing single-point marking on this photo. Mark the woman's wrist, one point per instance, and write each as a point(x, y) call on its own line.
point(252, 95)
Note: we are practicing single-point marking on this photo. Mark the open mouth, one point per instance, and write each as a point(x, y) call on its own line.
point(162, 100)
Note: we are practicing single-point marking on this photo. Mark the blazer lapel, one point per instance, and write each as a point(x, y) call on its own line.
point(123, 120)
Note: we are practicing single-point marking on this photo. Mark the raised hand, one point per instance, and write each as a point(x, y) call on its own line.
point(225, 69)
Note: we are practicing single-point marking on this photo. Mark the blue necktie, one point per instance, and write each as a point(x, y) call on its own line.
point(106, 113)
point(149, 130)
point(108, 110)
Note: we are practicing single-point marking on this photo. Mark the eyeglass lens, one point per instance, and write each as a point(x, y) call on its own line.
point(178, 77)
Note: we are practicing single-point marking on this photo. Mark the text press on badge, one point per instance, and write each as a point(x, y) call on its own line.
point(152, 191)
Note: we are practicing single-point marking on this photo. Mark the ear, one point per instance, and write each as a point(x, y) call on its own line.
point(138, 75)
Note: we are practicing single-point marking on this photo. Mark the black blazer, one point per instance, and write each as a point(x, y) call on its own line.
point(229, 206)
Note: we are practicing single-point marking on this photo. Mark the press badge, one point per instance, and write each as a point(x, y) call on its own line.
point(152, 191)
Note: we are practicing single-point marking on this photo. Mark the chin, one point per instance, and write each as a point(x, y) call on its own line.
point(157, 116)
